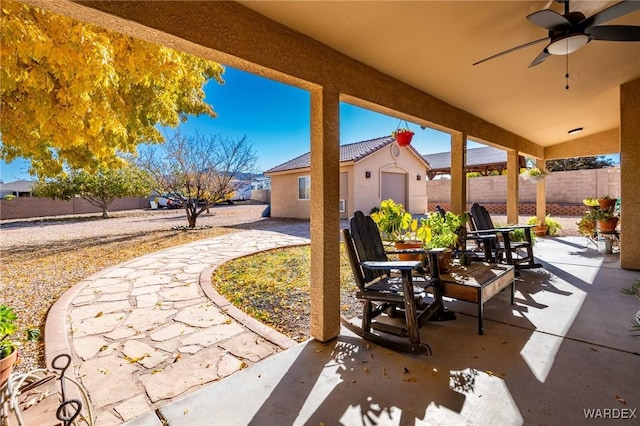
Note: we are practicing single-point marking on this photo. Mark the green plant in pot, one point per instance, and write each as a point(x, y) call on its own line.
point(8, 346)
point(606, 219)
point(445, 232)
point(551, 226)
point(397, 225)
point(607, 202)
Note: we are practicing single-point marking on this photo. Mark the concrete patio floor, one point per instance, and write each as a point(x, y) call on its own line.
point(562, 353)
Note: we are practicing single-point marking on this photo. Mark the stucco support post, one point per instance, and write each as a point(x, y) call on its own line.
point(325, 221)
point(629, 180)
point(513, 173)
point(458, 176)
point(541, 193)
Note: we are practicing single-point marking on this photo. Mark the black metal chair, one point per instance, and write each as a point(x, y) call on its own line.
point(388, 287)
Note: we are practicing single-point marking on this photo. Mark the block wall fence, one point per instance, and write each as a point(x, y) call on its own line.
point(27, 207)
point(564, 191)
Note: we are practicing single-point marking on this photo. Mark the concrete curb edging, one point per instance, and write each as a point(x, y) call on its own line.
point(251, 323)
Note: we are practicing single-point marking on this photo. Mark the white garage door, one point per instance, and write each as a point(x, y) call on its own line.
point(394, 186)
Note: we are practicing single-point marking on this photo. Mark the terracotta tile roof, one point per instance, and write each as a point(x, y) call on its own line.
point(351, 152)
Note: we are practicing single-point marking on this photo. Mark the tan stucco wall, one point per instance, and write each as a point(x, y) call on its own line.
point(284, 196)
point(630, 175)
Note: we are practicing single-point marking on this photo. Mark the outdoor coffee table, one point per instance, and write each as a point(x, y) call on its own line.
point(478, 283)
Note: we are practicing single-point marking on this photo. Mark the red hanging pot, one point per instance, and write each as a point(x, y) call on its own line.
point(404, 138)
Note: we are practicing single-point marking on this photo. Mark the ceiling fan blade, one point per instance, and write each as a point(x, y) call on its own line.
point(549, 19)
point(513, 49)
point(615, 11)
point(614, 32)
point(540, 58)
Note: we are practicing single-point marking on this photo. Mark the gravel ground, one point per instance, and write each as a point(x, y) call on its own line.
point(46, 230)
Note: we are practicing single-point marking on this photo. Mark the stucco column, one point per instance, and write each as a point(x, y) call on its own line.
point(325, 221)
point(629, 177)
point(513, 173)
point(458, 176)
point(541, 193)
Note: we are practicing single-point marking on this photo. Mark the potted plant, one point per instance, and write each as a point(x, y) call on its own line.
point(548, 226)
point(592, 203)
point(534, 174)
point(9, 347)
point(438, 231)
point(398, 226)
point(607, 219)
point(607, 202)
point(403, 136)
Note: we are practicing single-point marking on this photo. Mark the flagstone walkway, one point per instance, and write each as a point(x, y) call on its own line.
point(153, 329)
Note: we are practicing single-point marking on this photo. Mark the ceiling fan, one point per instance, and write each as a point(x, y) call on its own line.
point(572, 30)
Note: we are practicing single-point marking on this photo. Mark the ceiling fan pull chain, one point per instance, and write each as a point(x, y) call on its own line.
point(566, 76)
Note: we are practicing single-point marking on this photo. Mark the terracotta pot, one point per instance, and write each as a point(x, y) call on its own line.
point(444, 261)
point(403, 245)
point(404, 138)
point(6, 365)
point(608, 225)
point(606, 203)
point(540, 231)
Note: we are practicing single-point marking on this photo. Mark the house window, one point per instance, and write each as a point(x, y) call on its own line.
point(342, 206)
point(304, 187)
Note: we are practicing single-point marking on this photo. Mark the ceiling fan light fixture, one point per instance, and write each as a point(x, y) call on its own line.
point(568, 44)
point(575, 131)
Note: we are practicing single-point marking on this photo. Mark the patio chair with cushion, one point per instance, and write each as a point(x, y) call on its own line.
point(503, 247)
point(389, 287)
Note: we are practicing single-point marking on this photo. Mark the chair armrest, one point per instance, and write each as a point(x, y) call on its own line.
point(399, 264)
point(479, 235)
point(491, 231)
point(407, 251)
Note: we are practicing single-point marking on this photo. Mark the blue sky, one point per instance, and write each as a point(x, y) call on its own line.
point(275, 118)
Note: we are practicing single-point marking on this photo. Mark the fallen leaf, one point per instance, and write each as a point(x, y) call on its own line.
point(406, 370)
point(186, 411)
point(99, 314)
point(621, 400)
point(409, 379)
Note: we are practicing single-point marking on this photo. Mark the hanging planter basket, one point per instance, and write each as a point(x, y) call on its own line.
point(403, 135)
point(534, 175)
point(404, 138)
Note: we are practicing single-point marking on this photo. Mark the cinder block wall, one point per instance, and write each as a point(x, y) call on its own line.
point(26, 207)
point(565, 191)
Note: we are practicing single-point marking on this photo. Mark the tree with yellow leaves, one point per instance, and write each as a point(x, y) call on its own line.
point(77, 96)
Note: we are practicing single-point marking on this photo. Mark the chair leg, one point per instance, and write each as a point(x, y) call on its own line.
point(367, 312)
point(410, 311)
